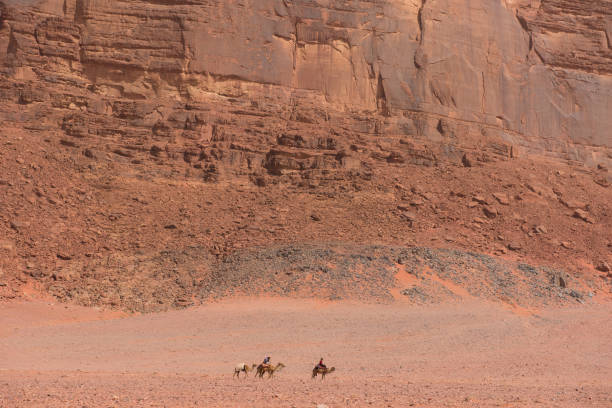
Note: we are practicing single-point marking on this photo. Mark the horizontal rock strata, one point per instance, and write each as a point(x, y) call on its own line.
point(250, 76)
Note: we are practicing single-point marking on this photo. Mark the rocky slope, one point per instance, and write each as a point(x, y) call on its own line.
point(136, 129)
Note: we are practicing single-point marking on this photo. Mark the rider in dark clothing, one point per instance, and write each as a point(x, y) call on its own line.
point(266, 361)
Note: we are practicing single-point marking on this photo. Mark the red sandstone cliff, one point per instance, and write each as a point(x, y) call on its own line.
point(534, 74)
point(345, 100)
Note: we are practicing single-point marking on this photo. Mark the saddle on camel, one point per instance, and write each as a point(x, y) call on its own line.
point(267, 367)
point(322, 369)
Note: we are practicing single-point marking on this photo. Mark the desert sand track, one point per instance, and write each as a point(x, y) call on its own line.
point(458, 354)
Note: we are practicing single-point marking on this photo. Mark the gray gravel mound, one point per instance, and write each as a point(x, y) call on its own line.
point(370, 273)
point(328, 271)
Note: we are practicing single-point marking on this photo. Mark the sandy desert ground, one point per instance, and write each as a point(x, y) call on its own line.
point(459, 354)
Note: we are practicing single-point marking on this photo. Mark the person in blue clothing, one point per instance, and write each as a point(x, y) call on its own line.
point(266, 362)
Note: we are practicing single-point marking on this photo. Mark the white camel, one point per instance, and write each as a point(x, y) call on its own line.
point(243, 368)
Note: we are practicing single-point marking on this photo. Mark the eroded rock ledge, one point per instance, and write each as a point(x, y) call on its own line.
point(265, 85)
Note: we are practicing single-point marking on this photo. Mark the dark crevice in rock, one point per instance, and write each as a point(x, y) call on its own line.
point(381, 97)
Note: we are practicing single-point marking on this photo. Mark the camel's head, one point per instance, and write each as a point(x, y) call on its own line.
point(280, 365)
point(332, 369)
point(254, 365)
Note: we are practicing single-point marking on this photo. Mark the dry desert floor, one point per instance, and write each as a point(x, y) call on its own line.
point(465, 354)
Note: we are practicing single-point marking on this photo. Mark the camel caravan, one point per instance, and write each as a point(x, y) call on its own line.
point(267, 368)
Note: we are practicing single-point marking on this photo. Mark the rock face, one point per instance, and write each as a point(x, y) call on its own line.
point(144, 140)
point(500, 75)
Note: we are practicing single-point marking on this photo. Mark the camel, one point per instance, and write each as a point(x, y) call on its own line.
point(270, 369)
point(322, 371)
point(243, 368)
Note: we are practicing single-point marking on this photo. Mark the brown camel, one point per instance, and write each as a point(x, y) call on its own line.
point(270, 369)
point(243, 368)
point(322, 371)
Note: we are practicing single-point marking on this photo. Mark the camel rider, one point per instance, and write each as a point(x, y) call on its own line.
point(266, 362)
point(321, 365)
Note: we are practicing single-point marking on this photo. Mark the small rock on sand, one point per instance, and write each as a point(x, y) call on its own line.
point(490, 211)
point(502, 198)
point(515, 246)
point(583, 215)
